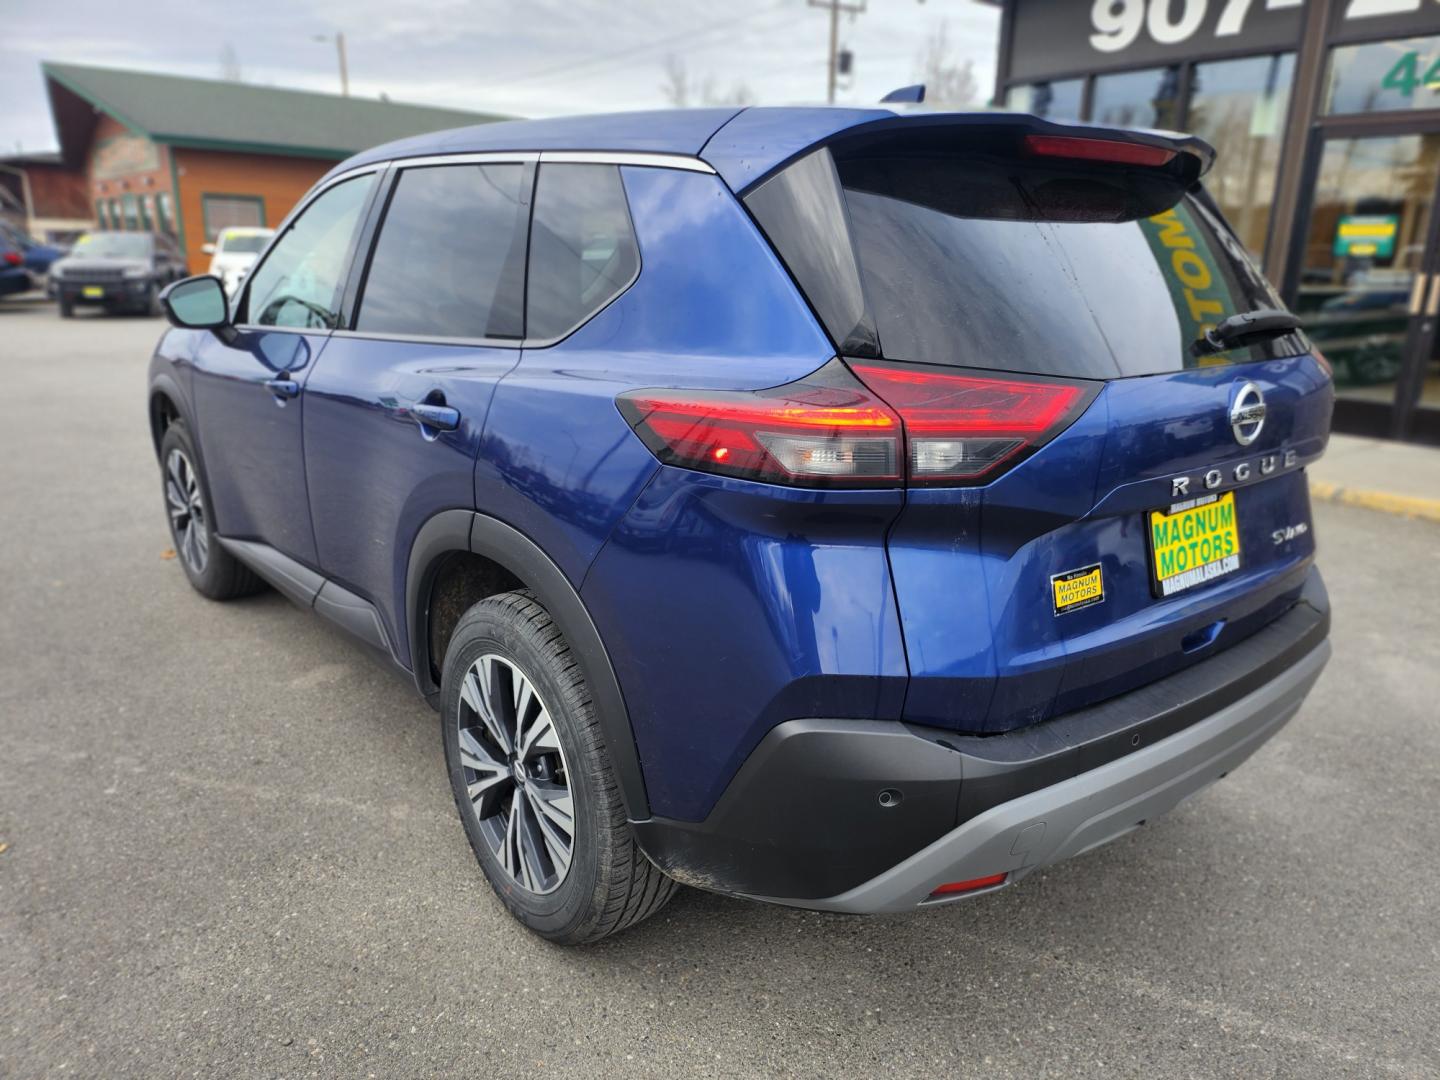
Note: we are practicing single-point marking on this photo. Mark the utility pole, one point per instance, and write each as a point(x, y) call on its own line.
point(339, 40)
point(836, 7)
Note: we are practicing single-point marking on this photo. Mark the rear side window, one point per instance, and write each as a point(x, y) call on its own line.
point(450, 259)
point(983, 261)
point(583, 252)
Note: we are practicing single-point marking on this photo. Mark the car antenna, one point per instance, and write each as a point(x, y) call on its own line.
point(910, 95)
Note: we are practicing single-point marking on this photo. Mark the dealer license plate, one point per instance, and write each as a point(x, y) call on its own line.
point(1194, 542)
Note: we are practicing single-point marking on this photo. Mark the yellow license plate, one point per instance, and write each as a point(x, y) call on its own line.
point(1194, 542)
point(93, 292)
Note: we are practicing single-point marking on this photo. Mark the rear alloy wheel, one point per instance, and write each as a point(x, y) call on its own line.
point(532, 778)
point(516, 775)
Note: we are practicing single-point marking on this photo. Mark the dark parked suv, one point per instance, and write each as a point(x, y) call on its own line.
point(119, 271)
point(830, 507)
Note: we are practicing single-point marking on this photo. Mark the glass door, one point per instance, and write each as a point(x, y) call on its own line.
point(1368, 288)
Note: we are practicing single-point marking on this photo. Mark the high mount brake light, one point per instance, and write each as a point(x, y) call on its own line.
point(1086, 149)
point(869, 425)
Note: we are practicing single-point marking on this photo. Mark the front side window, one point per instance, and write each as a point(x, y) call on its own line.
point(300, 283)
point(583, 251)
point(450, 260)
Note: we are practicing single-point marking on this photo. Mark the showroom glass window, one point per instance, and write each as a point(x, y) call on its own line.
point(1384, 76)
point(1239, 107)
point(1059, 100)
point(1148, 99)
point(450, 261)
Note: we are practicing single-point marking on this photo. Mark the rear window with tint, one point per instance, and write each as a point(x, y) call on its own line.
point(582, 247)
point(977, 263)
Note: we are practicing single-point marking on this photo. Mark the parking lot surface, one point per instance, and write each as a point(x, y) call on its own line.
point(230, 848)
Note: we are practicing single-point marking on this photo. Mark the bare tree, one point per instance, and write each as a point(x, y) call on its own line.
point(680, 90)
point(948, 81)
point(230, 64)
point(676, 87)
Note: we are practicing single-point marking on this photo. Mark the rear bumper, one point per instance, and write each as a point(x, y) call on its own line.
point(869, 817)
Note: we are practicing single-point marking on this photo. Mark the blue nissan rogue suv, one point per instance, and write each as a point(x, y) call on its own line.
point(838, 508)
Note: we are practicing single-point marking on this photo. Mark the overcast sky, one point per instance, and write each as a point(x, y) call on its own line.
point(537, 58)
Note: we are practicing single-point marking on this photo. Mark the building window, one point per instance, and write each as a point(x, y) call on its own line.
point(1147, 99)
point(230, 211)
point(1059, 100)
point(1384, 76)
point(100, 213)
point(1239, 107)
point(116, 222)
point(132, 213)
point(147, 215)
point(164, 213)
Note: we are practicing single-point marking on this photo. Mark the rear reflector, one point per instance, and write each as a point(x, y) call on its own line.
point(963, 427)
point(868, 425)
point(954, 888)
point(1111, 150)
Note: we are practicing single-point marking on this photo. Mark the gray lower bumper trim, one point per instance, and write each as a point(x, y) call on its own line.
point(1085, 811)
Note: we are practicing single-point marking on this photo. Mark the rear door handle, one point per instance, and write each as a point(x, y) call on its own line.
point(438, 417)
point(283, 388)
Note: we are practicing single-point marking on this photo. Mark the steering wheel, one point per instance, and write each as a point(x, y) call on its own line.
point(318, 317)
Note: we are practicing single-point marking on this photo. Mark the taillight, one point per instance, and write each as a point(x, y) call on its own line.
point(962, 428)
point(1082, 148)
point(12, 258)
point(826, 430)
point(867, 425)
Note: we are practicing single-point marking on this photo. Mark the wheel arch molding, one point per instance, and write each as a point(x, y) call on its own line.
point(455, 532)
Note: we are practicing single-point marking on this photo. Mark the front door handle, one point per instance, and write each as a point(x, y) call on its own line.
point(283, 388)
point(436, 417)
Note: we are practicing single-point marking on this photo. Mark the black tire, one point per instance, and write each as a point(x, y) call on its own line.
point(609, 884)
point(67, 308)
point(218, 575)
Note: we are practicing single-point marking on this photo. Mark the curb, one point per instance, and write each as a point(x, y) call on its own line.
point(1411, 506)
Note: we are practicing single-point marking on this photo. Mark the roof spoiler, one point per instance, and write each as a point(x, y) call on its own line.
point(759, 142)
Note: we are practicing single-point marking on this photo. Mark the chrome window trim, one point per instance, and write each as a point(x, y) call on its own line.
point(433, 339)
point(625, 157)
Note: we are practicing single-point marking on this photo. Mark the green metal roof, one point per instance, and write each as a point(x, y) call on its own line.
point(211, 114)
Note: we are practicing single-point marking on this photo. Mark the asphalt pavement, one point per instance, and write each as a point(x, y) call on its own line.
point(229, 848)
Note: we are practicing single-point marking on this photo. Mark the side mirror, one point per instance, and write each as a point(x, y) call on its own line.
point(197, 303)
point(208, 249)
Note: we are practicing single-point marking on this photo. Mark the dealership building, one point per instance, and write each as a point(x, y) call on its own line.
point(190, 157)
point(1326, 116)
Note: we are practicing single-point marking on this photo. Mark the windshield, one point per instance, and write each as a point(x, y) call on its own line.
point(114, 245)
point(985, 262)
point(243, 243)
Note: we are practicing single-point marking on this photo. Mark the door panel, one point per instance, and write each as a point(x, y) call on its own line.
point(250, 436)
point(375, 474)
